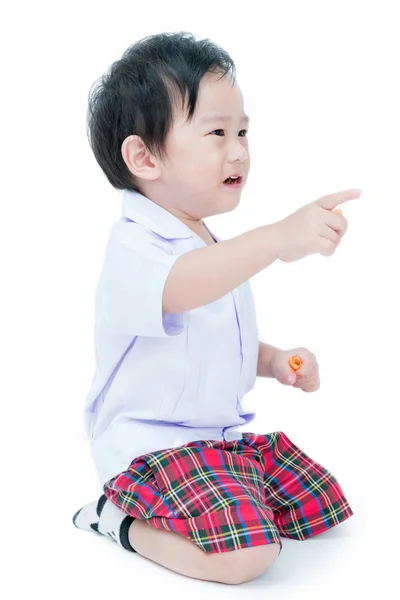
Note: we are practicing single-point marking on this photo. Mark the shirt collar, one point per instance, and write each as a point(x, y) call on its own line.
point(140, 209)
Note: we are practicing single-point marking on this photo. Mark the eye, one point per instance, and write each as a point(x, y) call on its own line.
point(220, 132)
point(217, 131)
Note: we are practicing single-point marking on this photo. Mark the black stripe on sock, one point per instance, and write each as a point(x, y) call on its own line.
point(124, 533)
point(75, 516)
point(100, 504)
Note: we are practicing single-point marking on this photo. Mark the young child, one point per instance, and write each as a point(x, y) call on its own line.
point(177, 345)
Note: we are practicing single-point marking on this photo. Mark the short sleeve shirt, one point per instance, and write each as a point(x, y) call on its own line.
point(162, 380)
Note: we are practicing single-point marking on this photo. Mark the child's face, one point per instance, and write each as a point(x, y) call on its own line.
point(201, 154)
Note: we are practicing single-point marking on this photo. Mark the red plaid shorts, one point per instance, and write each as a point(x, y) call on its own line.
point(230, 495)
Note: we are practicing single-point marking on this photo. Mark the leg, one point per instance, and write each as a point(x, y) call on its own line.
point(179, 554)
point(305, 497)
point(176, 552)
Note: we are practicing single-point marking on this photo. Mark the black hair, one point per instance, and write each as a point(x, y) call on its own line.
point(137, 94)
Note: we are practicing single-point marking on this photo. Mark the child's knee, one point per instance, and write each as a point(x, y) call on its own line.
point(239, 566)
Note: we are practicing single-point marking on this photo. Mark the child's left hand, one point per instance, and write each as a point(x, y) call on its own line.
point(306, 378)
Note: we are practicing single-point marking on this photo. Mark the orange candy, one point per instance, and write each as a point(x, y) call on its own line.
point(295, 362)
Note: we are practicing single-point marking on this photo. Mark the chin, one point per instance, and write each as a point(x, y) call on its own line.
point(232, 205)
point(225, 207)
point(232, 202)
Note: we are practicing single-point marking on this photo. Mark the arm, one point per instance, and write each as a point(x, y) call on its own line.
point(202, 276)
point(265, 353)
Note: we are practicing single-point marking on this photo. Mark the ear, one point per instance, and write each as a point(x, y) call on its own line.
point(138, 159)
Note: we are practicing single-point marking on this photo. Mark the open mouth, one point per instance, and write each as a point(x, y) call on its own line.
point(233, 180)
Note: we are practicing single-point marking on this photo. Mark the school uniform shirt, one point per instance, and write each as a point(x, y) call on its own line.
point(163, 380)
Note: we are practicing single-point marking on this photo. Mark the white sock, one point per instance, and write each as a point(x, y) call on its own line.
point(105, 518)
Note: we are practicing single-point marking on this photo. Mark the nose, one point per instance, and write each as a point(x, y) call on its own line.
point(238, 151)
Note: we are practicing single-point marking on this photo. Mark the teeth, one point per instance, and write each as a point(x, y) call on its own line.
point(232, 179)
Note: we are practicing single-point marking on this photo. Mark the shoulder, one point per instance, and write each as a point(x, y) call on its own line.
point(135, 236)
point(132, 243)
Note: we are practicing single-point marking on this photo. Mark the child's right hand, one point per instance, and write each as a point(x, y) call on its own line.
point(314, 228)
point(206, 274)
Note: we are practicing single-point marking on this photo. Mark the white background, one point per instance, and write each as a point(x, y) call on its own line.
point(321, 84)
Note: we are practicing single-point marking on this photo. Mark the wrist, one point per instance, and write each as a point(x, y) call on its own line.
point(275, 238)
point(266, 356)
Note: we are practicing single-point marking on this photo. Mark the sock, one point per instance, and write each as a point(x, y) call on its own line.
point(105, 518)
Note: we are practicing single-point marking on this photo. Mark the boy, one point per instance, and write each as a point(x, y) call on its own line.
point(176, 335)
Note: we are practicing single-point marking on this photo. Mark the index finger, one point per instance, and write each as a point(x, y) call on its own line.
point(331, 201)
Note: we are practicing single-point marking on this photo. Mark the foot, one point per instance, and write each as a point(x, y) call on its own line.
point(105, 518)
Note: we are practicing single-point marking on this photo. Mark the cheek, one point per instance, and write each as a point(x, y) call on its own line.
point(182, 167)
point(202, 165)
point(246, 145)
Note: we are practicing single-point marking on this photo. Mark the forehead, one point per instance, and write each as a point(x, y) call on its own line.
point(218, 99)
point(218, 96)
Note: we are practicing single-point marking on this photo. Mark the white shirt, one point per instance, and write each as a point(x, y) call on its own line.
point(163, 380)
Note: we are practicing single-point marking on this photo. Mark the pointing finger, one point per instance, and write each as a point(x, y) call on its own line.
point(331, 201)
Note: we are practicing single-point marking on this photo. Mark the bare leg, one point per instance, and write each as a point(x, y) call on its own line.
point(178, 554)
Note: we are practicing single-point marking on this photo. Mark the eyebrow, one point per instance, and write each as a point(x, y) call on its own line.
point(213, 118)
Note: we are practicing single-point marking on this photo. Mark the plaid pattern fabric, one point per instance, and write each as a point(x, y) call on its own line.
point(230, 495)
